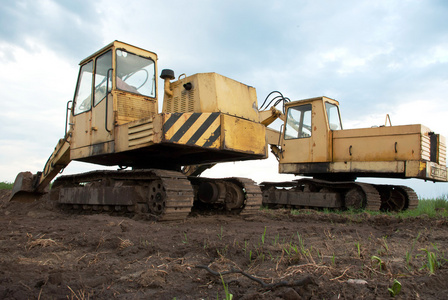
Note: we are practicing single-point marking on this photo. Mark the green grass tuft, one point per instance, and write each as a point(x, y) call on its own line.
point(6, 185)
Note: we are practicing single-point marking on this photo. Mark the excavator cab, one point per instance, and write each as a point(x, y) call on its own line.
point(309, 125)
point(116, 85)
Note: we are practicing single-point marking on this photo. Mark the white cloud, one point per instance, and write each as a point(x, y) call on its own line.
point(374, 57)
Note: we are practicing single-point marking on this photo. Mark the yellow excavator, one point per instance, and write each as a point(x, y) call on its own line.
point(313, 143)
point(114, 120)
point(206, 119)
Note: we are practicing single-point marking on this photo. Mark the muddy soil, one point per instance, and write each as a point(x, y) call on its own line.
point(46, 253)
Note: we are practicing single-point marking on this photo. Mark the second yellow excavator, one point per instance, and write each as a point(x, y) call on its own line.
point(313, 143)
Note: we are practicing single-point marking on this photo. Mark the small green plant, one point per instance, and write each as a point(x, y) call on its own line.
point(260, 254)
point(263, 236)
point(229, 296)
point(408, 259)
point(434, 260)
point(385, 246)
point(271, 256)
point(409, 252)
point(145, 243)
point(185, 240)
point(292, 252)
point(220, 234)
point(378, 262)
point(302, 244)
point(358, 248)
point(395, 289)
point(276, 239)
point(318, 254)
point(222, 252)
point(245, 246)
point(333, 259)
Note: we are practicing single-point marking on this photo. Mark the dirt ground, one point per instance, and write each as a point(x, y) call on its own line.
point(46, 253)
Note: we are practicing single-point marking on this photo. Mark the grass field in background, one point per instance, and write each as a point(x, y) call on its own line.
point(6, 185)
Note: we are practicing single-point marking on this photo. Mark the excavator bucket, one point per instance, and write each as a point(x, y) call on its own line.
point(23, 189)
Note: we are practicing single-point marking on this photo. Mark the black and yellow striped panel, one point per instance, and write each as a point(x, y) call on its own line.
point(199, 129)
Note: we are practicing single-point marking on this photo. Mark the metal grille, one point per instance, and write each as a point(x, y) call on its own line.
point(182, 102)
point(442, 153)
point(132, 107)
point(426, 148)
point(141, 133)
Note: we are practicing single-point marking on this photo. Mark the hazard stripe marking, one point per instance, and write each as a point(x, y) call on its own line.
point(170, 122)
point(200, 129)
point(195, 137)
point(213, 138)
point(187, 125)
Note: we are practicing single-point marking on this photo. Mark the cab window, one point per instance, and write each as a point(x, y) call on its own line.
point(334, 119)
point(135, 74)
point(83, 95)
point(298, 122)
point(102, 66)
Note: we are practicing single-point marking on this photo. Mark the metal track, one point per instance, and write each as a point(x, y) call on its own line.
point(254, 196)
point(179, 195)
point(371, 195)
point(411, 196)
point(247, 188)
point(178, 192)
point(373, 199)
point(397, 197)
point(129, 193)
point(377, 197)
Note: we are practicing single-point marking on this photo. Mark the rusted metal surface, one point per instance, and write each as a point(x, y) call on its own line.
point(129, 191)
point(164, 195)
point(319, 193)
point(240, 195)
point(23, 189)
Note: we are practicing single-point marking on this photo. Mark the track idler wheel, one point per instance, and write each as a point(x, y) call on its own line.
point(221, 192)
point(355, 198)
point(156, 198)
point(234, 196)
point(392, 198)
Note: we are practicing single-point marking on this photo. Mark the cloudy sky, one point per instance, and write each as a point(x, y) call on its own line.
point(375, 57)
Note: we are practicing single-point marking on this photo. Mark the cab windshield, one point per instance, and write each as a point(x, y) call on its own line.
point(135, 74)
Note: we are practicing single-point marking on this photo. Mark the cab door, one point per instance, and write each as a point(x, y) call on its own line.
point(308, 136)
point(297, 137)
point(93, 109)
point(82, 111)
point(102, 110)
